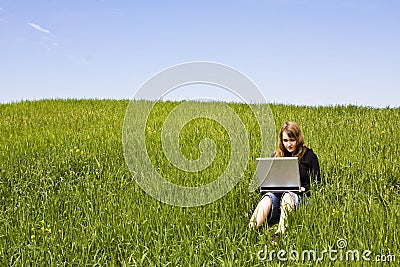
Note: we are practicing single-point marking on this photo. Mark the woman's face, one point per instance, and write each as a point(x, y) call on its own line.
point(288, 143)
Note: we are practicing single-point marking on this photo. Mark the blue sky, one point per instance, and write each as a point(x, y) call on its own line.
point(312, 52)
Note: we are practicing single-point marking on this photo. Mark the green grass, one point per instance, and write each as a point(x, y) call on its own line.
point(67, 197)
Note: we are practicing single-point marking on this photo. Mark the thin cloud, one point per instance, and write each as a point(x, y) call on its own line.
point(39, 28)
point(47, 40)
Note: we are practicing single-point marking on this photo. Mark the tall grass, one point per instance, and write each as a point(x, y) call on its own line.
point(67, 197)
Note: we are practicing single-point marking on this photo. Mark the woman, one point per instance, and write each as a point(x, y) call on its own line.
point(277, 205)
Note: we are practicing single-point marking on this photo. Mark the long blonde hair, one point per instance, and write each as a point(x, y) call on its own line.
point(293, 130)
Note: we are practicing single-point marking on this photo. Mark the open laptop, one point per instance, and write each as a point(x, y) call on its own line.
point(278, 174)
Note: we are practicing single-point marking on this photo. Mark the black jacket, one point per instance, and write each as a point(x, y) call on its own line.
point(309, 169)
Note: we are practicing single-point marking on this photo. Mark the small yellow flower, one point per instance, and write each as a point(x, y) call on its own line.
point(32, 236)
point(334, 212)
point(42, 222)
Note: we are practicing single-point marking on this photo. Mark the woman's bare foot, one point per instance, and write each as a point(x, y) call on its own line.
point(281, 228)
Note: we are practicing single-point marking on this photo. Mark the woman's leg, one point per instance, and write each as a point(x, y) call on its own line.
point(261, 212)
point(287, 206)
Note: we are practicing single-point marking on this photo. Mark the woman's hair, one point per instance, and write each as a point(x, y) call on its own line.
point(292, 129)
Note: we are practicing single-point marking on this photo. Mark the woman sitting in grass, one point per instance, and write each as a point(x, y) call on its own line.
point(277, 205)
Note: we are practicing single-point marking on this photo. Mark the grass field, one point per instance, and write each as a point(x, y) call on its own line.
point(67, 197)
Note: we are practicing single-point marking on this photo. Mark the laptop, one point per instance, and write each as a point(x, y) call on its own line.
point(278, 175)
